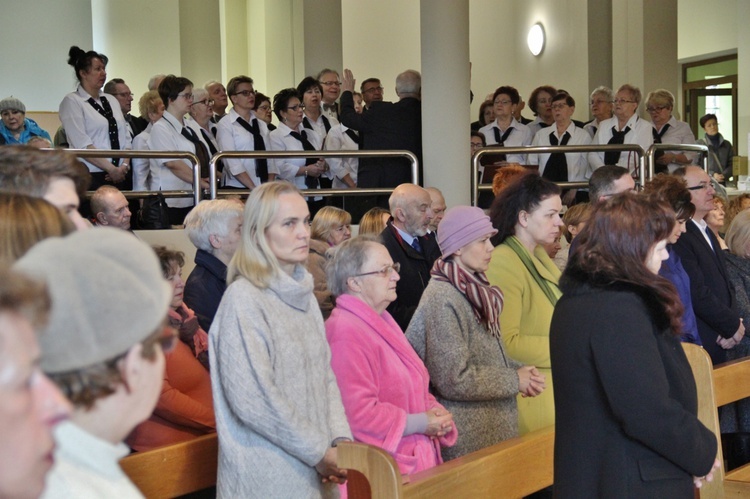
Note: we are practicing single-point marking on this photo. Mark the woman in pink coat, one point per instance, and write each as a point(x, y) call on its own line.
point(384, 384)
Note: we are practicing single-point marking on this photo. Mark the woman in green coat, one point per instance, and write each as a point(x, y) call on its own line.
point(526, 215)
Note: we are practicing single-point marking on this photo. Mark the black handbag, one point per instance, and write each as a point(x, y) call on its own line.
point(154, 214)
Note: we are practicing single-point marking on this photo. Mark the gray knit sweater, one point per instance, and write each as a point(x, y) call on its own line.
point(470, 374)
point(277, 403)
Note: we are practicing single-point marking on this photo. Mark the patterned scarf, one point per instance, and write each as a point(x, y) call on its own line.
point(184, 320)
point(485, 300)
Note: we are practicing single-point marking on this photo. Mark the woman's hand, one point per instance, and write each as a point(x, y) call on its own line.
point(698, 480)
point(439, 422)
point(327, 469)
point(530, 381)
point(116, 174)
point(314, 170)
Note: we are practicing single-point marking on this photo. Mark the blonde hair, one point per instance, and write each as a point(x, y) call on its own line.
point(738, 235)
point(326, 220)
point(372, 221)
point(254, 260)
point(576, 214)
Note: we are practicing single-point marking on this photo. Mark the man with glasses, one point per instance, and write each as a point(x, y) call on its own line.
point(119, 89)
point(602, 102)
point(331, 83)
point(719, 324)
point(104, 348)
point(372, 91)
point(625, 127)
point(411, 246)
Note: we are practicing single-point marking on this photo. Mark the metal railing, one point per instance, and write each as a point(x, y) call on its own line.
point(476, 186)
point(651, 153)
point(213, 191)
point(116, 153)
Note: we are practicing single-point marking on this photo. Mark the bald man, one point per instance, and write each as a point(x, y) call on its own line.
point(407, 239)
point(438, 207)
point(110, 208)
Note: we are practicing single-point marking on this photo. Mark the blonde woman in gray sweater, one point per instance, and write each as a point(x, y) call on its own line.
point(456, 332)
point(278, 408)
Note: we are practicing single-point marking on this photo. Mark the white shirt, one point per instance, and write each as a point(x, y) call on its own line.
point(140, 166)
point(537, 125)
point(678, 132)
point(578, 164)
point(338, 140)
point(703, 226)
point(521, 136)
point(87, 467)
point(319, 126)
point(195, 126)
point(166, 135)
point(591, 127)
point(233, 137)
point(287, 168)
point(639, 134)
point(84, 126)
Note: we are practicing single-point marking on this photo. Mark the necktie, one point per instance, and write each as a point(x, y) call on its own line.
point(612, 157)
point(261, 164)
point(657, 140)
point(556, 168)
point(208, 138)
point(310, 182)
point(326, 123)
point(415, 244)
point(352, 135)
point(200, 150)
point(500, 139)
point(106, 110)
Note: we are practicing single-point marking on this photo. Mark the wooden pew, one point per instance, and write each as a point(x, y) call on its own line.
point(716, 387)
point(514, 468)
point(174, 470)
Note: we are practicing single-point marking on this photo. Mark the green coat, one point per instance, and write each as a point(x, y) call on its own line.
point(524, 324)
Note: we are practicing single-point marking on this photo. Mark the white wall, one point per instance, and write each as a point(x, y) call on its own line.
point(35, 37)
point(707, 28)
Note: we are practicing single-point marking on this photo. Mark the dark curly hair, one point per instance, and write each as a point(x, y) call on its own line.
point(673, 192)
point(82, 60)
point(281, 101)
point(532, 98)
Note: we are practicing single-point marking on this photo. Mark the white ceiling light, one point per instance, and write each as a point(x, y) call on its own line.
point(535, 40)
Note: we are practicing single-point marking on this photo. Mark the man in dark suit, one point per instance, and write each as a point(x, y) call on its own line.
point(121, 91)
point(719, 324)
point(411, 246)
point(386, 125)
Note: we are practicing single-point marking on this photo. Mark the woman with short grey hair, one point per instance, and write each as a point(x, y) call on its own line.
point(214, 228)
point(384, 384)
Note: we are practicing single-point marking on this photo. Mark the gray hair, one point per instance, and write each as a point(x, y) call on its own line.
point(199, 94)
point(347, 260)
point(738, 235)
point(635, 92)
point(605, 91)
point(211, 217)
point(152, 82)
point(409, 82)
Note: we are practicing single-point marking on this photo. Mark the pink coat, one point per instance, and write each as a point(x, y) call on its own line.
point(382, 379)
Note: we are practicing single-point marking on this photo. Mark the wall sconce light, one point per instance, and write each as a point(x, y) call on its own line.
point(535, 40)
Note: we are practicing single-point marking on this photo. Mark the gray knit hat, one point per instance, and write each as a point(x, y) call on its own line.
point(13, 104)
point(460, 226)
point(108, 294)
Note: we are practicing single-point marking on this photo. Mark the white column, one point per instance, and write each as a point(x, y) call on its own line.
point(445, 98)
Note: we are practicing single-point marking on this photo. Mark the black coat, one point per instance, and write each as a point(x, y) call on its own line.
point(385, 125)
point(713, 301)
point(626, 422)
point(415, 272)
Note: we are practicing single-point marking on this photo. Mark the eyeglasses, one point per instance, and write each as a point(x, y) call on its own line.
point(245, 93)
point(699, 187)
point(187, 96)
point(329, 83)
point(624, 101)
point(205, 102)
point(301, 107)
point(655, 109)
point(476, 145)
point(559, 106)
point(384, 272)
point(264, 107)
point(601, 101)
point(372, 89)
point(124, 94)
point(503, 102)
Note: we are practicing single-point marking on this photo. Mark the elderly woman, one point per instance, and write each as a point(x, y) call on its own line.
point(94, 120)
point(667, 130)
point(672, 191)
point(15, 127)
point(456, 332)
point(291, 136)
point(214, 229)
point(715, 220)
point(602, 99)
point(201, 112)
point(720, 150)
point(626, 423)
point(151, 106)
point(384, 384)
point(185, 407)
point(312, 92)
point(330, 227)
point(278, 407)
point(24, 221)
point(527, 216)
point(374, 221)
point(540, 102)
point(243, 130)
point(264, 110)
